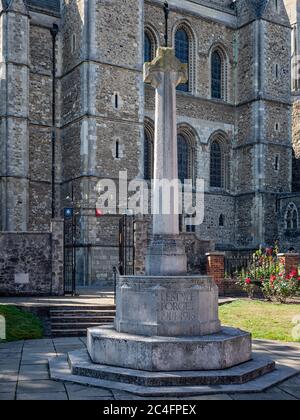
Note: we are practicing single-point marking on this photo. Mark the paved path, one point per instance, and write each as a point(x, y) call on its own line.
point(24, 373)
point(101, 299)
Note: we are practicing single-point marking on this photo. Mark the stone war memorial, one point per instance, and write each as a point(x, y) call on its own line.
point(167, 339)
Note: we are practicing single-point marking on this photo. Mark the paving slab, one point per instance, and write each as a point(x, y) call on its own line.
point(7, 396)
point(57, 396)
point(66, 341)
point(9, 365)
point(7, 387)
point(8, 376)
point(13, 351)
point(78, 391)
point(13, 345)
point(9, 356)
point(291, 386)
point(68, 349)
point(43, 386)
point(33, 372)
point(217, 397)
point(272, 395)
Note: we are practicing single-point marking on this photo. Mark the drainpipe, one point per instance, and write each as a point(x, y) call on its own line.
point(54, 32)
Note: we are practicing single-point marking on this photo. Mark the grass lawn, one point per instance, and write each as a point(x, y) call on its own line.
point(264, 320)
point(20, 325)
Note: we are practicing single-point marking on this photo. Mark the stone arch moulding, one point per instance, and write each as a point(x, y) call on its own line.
point(185, 24)
point(153, 35)
point(222, 50)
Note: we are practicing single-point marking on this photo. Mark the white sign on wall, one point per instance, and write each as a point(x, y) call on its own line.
point(22, 278)
point(2, 328)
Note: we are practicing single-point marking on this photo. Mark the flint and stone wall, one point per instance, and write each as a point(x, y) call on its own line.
point(31, 263)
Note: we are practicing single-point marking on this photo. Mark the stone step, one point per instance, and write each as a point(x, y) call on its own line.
point(77, 325)
point(82, 312)
point(83, 308)
point(81, 365)
point(60, 371)
point(69, 333)
point(82, 318)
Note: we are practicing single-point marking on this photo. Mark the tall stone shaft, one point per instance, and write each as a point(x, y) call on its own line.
point(165, 73)
point(166, 254)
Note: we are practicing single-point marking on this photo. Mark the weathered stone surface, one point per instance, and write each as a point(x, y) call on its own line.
point(228, 348)
point(32, 263)
point(81, 365)
point(167, 306)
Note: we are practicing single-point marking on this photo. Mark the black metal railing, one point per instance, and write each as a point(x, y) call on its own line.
point(257, 266)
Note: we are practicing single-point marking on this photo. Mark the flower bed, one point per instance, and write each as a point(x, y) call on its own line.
point(267, 271)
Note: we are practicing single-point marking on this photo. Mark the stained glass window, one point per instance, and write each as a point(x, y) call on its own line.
point(216, 75)
point(182, 51)
point(216, 165)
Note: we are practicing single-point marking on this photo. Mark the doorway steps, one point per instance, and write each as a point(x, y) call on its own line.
point(73, 321)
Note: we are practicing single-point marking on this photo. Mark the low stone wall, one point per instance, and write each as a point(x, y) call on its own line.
point(31, 263)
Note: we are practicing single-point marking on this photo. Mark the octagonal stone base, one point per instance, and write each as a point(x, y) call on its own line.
point(167, 306)
point(223, 350)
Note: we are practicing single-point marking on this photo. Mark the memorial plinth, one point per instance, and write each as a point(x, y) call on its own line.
point(164, 306)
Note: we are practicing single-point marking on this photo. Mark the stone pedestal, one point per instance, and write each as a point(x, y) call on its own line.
point(223, 350)
point(167, 306)
point(166, 257)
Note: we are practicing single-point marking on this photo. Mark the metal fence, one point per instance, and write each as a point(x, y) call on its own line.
point(250, 263)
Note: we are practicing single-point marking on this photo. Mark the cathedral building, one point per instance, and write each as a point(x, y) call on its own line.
point(74, 110)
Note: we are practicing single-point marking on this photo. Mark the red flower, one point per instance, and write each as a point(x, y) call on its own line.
point(298, 278)
point(248, 281)
point(294, 273)
point(272, 279)
point(269, 251)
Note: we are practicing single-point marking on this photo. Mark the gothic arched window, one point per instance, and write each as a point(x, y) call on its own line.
point(148, 156)
point(183, 158)
point(216, 75)
point(148, 55)
point(182, 52)
point(216, 178)
point(291, 217)
point(150, 45)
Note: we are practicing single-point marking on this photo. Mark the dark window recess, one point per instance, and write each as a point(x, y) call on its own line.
point(148, 157)
point(183, 159)
point(216, 76)
point(148, 49)
point(216, 165)
point(117, 149)
point(222, 220)
point(182, 51)
point(116, 101)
